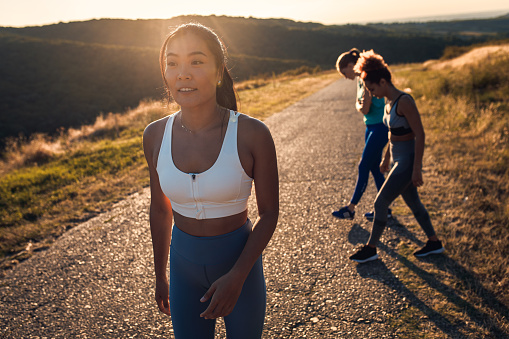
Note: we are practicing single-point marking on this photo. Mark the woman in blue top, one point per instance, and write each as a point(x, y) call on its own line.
point(375, 137)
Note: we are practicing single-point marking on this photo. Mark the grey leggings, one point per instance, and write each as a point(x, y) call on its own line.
point(399, 182)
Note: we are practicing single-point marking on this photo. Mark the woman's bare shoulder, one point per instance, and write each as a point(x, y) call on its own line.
point(252, 125)
point(255, 135)
point(153, 136)
point(406, 104)
point(155, 126)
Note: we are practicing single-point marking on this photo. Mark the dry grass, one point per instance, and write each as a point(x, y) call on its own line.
point(40, 148)
point(471, 57)
point(465, 111)
point(254, 100)
point(48, 184)
point(274, 96)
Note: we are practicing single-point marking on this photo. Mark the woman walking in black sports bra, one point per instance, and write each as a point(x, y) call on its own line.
point(406, 136)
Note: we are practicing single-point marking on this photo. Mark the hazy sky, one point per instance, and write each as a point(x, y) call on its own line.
point(41, 12)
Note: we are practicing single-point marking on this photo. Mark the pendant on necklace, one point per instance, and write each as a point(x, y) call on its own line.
point(183, 126)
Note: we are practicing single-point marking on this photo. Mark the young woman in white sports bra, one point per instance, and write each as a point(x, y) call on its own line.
point(202, 162)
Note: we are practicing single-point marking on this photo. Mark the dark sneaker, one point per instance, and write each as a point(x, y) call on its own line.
point(344, 213)
point(371, 215)
point(432, 247)
point(365, 254)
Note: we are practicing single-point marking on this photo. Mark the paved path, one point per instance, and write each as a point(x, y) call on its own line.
point(97, 280)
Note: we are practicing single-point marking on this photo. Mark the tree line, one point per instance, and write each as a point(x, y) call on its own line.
point(64, 75)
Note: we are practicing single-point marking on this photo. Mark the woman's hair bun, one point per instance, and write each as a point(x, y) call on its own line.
point(370, 61)
point(355, 52)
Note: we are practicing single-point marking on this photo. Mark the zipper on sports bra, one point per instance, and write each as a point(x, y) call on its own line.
point(199, 206)
point(193, 185)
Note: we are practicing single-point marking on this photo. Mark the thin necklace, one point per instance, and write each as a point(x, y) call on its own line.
point(190, 131)
point(184, 126)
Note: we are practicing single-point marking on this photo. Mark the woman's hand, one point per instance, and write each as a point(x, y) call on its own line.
point(364, 104)
point(385, 165)
point(162, 295)
point(417, 177)
point(224, 293)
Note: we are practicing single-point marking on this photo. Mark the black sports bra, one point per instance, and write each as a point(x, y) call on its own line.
point(398, 124)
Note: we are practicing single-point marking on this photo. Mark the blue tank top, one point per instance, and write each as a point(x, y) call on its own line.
point(376, 110)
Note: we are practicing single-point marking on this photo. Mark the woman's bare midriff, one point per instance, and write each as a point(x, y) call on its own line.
point(396, 138)
point(209, 227)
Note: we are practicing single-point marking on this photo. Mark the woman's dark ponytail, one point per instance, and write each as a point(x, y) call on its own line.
point(355, 53)
point(226, 95)
point(346, 58)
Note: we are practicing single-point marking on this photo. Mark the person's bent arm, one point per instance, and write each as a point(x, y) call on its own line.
point(408, 108)
point(225, 291)
point(363, 105)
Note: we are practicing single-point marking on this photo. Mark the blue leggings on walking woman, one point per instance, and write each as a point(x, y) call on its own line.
point(376, 139)
point(195, 263)
point(399, 181)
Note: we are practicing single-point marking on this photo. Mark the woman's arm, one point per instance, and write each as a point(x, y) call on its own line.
point(225, 291)
point(363, 105)
point(408, 108)
point(160, 219)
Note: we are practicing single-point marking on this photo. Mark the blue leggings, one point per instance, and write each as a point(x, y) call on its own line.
point(376, 139)
point(195, 263)
point(399, 182)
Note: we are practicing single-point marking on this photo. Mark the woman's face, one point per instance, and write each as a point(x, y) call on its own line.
point(375, 89)
point(348, 71)
point(191, 71)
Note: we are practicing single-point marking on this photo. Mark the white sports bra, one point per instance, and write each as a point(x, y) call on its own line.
point(220, 191)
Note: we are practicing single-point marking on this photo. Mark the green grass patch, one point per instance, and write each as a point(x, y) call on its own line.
point(59, 191)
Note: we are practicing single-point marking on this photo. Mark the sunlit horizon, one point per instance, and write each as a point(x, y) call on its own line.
point(23, 13)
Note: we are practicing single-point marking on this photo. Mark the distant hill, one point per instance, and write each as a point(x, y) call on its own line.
point(452, 17)
point(65, 74)
point(497, 28)
point(46, 84)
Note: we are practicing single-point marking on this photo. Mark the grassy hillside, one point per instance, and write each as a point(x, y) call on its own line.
point(465, 107)
point(464, 104)
point(65, 75)
point(48, 84)
point(282, 38)
point(495, 27)
point(45, 84)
